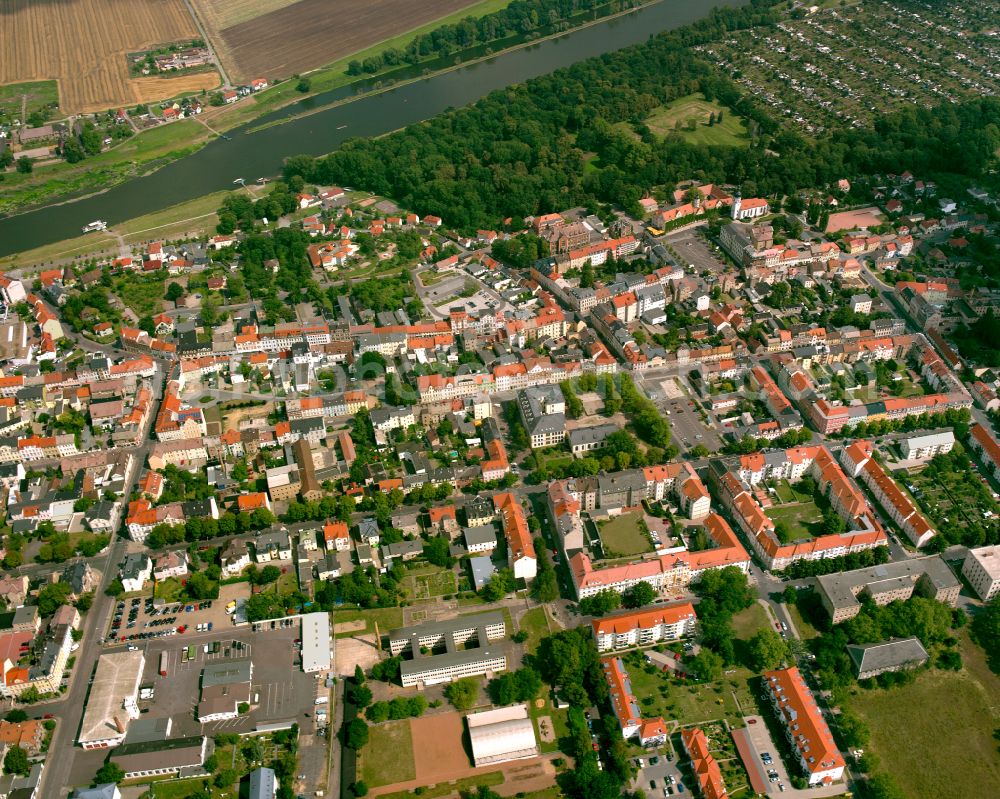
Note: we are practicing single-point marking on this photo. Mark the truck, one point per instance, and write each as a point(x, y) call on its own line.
point(163, 664)
point(231, 608)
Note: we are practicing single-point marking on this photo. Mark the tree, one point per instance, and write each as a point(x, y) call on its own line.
point(24, 165)
point(268, 574)
point(463, 693)
point(226, 777)
point(355, 734)
point(985, 630)
point(52, 597)
point(16, 761)
point(766, 650)
point(109, 772)
point(359, 788)
point(601, 603)
point(437, 552)
point(706, 665)
point(174, 292)
point(200, 587)
point(16, 716)
point(642, 593)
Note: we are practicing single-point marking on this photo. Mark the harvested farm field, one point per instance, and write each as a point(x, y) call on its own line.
point(82, 46)
point(275, 38)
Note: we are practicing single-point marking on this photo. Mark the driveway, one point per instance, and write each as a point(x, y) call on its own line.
point(654, 779)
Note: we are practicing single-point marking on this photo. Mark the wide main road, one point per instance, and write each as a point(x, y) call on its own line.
point(260, 153)
point(69, 709)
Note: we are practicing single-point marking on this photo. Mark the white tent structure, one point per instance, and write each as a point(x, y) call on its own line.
point(501, 735)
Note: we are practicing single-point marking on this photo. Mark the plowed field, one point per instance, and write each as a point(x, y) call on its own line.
point(82, 45)
point(275, 39)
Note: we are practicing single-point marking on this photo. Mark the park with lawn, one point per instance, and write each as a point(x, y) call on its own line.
point(699, 121)
point(388, 756)
point(947, 720)
point(624, 536)
point(801, 512)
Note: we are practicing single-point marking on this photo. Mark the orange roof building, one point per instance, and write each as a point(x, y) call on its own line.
point(643, 627)
point(810, 737)
point(704, 766)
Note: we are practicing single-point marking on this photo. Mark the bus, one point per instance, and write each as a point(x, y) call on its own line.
point(163, 664)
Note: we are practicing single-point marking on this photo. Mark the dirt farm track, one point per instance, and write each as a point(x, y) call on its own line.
point(277, 38)
point(82, 44)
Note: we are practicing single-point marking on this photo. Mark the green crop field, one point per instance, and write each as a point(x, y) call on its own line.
point(689, 116)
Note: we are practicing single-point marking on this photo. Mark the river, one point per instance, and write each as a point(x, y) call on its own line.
point(259, 153)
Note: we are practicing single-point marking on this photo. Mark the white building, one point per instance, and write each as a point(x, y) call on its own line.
point(920, 447)
point(500, 735)
point(645, 627)
point(317, 643)
point(113, 700)
point(982, 570)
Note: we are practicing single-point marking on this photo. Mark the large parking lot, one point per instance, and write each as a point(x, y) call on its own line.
point(696, 253)
point(139, 619)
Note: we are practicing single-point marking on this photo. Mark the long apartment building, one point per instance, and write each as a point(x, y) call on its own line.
point(810, 738)
point(643, 627)
point(706, 769)
point(739, 483)
point(841, 593)
point(521, 554)
point(488, 657)
point(677, 567)
point(650, 732)
point(858, 460)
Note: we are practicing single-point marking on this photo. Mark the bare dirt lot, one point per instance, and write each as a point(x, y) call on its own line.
point(441, 752)
point(851, 220)
point(82, 45)
point(275, 39)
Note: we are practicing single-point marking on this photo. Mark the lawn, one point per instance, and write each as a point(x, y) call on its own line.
point(749, 621)
point(799, 520)
point(388, 756)
point(169, 590)
point(449, 788)
point(659, 695)
point(805, 629)
point(947, 720)
point(386, 618)
point(623, 536)
point(536, 624)
point(691, 113)
point(39, 94)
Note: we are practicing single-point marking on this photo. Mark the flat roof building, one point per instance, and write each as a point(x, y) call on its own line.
point(317, 643)
point(982, 570)
point(503, 734)
point(451, 633)
point(448, 666)
point(887, 583)
point(112, 703)
point(157, 758)
point(263, 784)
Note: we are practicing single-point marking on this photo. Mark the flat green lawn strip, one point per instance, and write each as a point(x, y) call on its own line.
point(449, 788)
point(935, 736)
point(388, 756)
point(805, 629)
point(748, 622)
point(799, 518)
point(535, 623)
point(784, 491)
point(624, 536)
point(386, 618)
point(696, 109)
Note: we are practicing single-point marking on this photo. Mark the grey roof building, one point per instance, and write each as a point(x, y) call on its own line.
point(482, 569)
point(481, 538)
point(887, 583)
point(587, 439)
point(543, 410)
point(263, 784)
point(870, 660)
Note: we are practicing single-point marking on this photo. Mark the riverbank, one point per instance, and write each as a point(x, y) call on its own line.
point(251, 155)
point(150, 150)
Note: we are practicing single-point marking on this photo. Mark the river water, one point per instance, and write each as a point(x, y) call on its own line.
point(260, 153)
